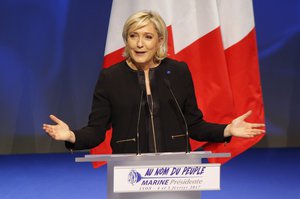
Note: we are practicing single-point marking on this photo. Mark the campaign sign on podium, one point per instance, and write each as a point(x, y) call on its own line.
point(156, 178)
point(159, 175)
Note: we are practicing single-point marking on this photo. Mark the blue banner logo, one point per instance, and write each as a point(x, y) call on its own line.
point(134, 177)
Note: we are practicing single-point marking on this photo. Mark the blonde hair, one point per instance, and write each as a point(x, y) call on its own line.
point(141, 19)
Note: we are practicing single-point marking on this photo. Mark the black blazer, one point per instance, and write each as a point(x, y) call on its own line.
point(116, 104)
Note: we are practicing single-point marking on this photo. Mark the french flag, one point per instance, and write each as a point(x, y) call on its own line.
point(216, 38)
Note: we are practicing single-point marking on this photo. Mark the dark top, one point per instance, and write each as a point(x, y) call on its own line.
point(116, 104)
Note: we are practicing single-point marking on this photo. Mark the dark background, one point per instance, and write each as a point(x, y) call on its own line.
point(51, 52)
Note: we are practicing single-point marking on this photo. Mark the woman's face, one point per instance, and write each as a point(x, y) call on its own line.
point(142, 45)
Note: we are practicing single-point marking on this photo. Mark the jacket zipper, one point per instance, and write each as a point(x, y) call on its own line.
point(126, 140)
point(177, 136)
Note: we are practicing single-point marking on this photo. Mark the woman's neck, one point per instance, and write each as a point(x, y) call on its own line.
point(145, 67)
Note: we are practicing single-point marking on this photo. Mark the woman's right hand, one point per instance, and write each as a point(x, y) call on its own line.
point(59, 131)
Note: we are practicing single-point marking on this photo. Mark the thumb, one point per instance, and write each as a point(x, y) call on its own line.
point(55, 119)
point(243, 117)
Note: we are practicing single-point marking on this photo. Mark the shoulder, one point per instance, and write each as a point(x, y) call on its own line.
point(108, 76)
point(172, 62)
point(115, 68)
point(117, 71)
point(179, 67)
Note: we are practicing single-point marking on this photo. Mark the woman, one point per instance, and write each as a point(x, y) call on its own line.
point(147, 99)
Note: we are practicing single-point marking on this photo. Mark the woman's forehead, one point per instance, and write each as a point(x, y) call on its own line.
point(147, 27)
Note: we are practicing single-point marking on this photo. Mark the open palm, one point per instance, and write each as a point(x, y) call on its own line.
point(240, 128)
point(58, 131)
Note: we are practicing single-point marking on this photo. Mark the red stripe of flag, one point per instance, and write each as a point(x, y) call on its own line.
point(242, 63)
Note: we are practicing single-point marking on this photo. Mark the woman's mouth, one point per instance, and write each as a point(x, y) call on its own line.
point(140, 53)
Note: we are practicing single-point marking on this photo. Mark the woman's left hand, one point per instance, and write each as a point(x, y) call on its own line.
point(240, 128)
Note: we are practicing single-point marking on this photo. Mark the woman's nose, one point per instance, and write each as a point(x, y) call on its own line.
point(140, 43)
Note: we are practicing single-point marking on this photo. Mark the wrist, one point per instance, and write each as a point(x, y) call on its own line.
point(72, 137)
point(227, 131)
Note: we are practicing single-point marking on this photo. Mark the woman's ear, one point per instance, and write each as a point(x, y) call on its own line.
point(160, 40)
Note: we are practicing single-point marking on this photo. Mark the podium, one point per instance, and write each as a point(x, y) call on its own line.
point(176, 175)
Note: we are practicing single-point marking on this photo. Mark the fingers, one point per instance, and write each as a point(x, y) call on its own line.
point(253, 132)
point(247, 131)
point(58, 131)
point(257, 125)
point(49, 130)
point(257, 131)
point(47, 127)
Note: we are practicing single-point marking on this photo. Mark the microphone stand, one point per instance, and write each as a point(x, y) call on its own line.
point(182, 115)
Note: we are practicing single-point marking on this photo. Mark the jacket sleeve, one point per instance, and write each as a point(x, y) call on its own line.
point(199, 129)
point(99, 119)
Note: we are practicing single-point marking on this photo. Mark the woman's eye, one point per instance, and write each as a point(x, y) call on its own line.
point(132, 36)
point(149, 37)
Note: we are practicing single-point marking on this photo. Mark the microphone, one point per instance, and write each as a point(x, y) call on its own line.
point(141, 79)
point(138, 152)
point(182, 115)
